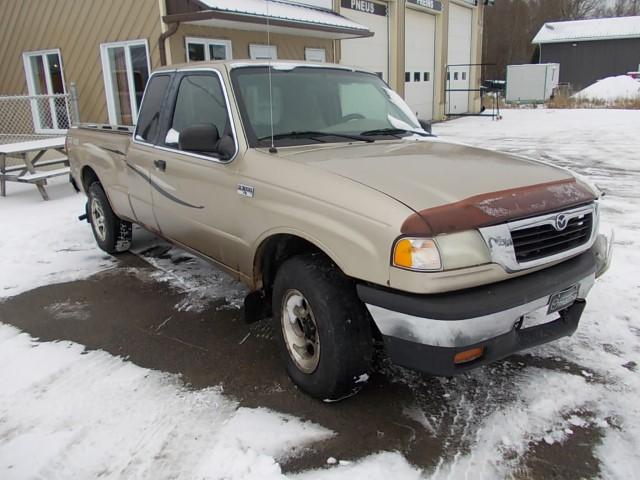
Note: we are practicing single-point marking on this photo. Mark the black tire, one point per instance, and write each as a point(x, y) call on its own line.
point(112, 234)
point(343, 327)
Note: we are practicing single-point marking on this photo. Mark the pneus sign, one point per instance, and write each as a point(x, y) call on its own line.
point(365, 6)
point(430, 4)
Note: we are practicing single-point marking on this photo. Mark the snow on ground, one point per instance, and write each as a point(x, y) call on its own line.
point(610, 89)
point(603, 146)
point(43, 242)
point(90, 414)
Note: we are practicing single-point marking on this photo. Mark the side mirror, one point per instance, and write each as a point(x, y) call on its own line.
point(199, 138)
point(226, 147)
point(426, 126)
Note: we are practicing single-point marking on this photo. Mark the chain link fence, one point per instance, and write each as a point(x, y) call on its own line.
point(24, 117)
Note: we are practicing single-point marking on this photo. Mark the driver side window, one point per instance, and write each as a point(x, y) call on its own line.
point(200, 101)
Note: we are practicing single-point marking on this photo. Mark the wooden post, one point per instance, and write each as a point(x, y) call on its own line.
point(75, 110)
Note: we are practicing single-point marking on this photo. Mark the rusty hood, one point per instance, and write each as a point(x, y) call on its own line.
point(451, 187)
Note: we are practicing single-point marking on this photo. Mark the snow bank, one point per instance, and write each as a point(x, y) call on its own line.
point(69, 413)
point(610, 89)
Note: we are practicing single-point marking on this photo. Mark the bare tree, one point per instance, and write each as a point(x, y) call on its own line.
point(510, 26)
point(578, 9)
point(621, 8)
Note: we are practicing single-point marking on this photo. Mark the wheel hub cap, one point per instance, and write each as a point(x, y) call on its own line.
point(300, 331)
point(97, 219)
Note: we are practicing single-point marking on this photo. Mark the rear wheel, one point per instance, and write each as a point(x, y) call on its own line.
point(112, 234)
point(322, 328)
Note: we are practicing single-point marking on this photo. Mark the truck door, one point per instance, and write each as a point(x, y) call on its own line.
point(195, 194)
point(140, 155)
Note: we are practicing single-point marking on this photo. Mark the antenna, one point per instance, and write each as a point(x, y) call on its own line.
point(273, 148)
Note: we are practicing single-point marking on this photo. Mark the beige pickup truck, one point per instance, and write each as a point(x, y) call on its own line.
point(319, 188)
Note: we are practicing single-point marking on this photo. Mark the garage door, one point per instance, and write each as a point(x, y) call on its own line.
point(459, 52)
point(420, 40)
point(370, 53)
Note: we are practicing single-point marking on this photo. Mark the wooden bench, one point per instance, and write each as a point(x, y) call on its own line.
point(36, 177)
point(27, 172)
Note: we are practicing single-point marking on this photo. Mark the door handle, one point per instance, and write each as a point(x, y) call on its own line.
point(160, 165)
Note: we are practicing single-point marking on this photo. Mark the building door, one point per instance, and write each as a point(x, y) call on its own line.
point(420, 38)
point(370, 53)
point(125, 66)
point(459, 53)
point(45, 77)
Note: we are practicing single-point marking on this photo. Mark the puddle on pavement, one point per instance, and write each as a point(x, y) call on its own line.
point(127, 311)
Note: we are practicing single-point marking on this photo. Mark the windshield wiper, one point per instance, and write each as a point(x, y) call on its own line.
point(396, 132)
point(312, 133)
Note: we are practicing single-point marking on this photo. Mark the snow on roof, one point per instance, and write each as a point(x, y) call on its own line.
point(595, 29)
point(283, 10)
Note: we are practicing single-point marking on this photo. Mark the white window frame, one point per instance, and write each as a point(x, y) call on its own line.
point(253, 47)
point(207, 42)
point(31, 88)
point(309, 51)
point(108, 85)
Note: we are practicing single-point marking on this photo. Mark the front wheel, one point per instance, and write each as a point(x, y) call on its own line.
point(112, 234)
point(322, 328)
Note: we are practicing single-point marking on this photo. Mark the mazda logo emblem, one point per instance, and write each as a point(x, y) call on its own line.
point(561, 222)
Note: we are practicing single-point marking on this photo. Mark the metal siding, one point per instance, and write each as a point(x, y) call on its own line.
point(587, 62)
point(77, 28)
point(290, 47)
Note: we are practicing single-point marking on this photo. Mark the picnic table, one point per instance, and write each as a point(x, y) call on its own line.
point(32, 155)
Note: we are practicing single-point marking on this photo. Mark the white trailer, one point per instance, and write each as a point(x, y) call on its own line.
point(533, 83)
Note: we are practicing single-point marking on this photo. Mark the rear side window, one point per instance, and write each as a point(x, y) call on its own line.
point(200, 101)
point(149, 118)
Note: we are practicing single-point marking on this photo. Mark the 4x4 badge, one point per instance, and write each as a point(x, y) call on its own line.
point(245, 190)
point(561, 222)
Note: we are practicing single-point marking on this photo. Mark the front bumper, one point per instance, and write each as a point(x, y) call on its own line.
point(425, 332)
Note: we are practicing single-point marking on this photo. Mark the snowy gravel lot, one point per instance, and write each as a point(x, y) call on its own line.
point(71, 412)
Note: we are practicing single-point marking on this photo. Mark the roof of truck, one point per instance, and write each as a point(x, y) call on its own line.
point(275, 64)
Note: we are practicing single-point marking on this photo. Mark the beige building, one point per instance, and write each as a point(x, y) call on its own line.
point(107, 48)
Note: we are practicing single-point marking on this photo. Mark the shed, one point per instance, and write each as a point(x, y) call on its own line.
point(589, 50)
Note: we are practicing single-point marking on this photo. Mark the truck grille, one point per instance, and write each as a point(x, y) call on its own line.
point(542, 241)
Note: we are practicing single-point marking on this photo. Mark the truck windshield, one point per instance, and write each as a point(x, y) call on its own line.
point(318, 105)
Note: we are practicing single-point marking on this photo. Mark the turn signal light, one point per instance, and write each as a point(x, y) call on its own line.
point(419, 254)
point(468, 355)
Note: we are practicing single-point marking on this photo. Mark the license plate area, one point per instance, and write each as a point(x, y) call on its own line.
point(561, 300)
point(548, 313)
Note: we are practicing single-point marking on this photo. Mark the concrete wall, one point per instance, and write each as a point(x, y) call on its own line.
point(583, 64)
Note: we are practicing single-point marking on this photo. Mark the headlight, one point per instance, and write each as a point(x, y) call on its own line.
point(420, 254)
point(445, 252)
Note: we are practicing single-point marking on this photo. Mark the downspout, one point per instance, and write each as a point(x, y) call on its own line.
point(173, 28)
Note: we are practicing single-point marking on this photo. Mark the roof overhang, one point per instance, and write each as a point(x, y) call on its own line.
point(283, 17)
point(536, 41)
point(590, 30)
